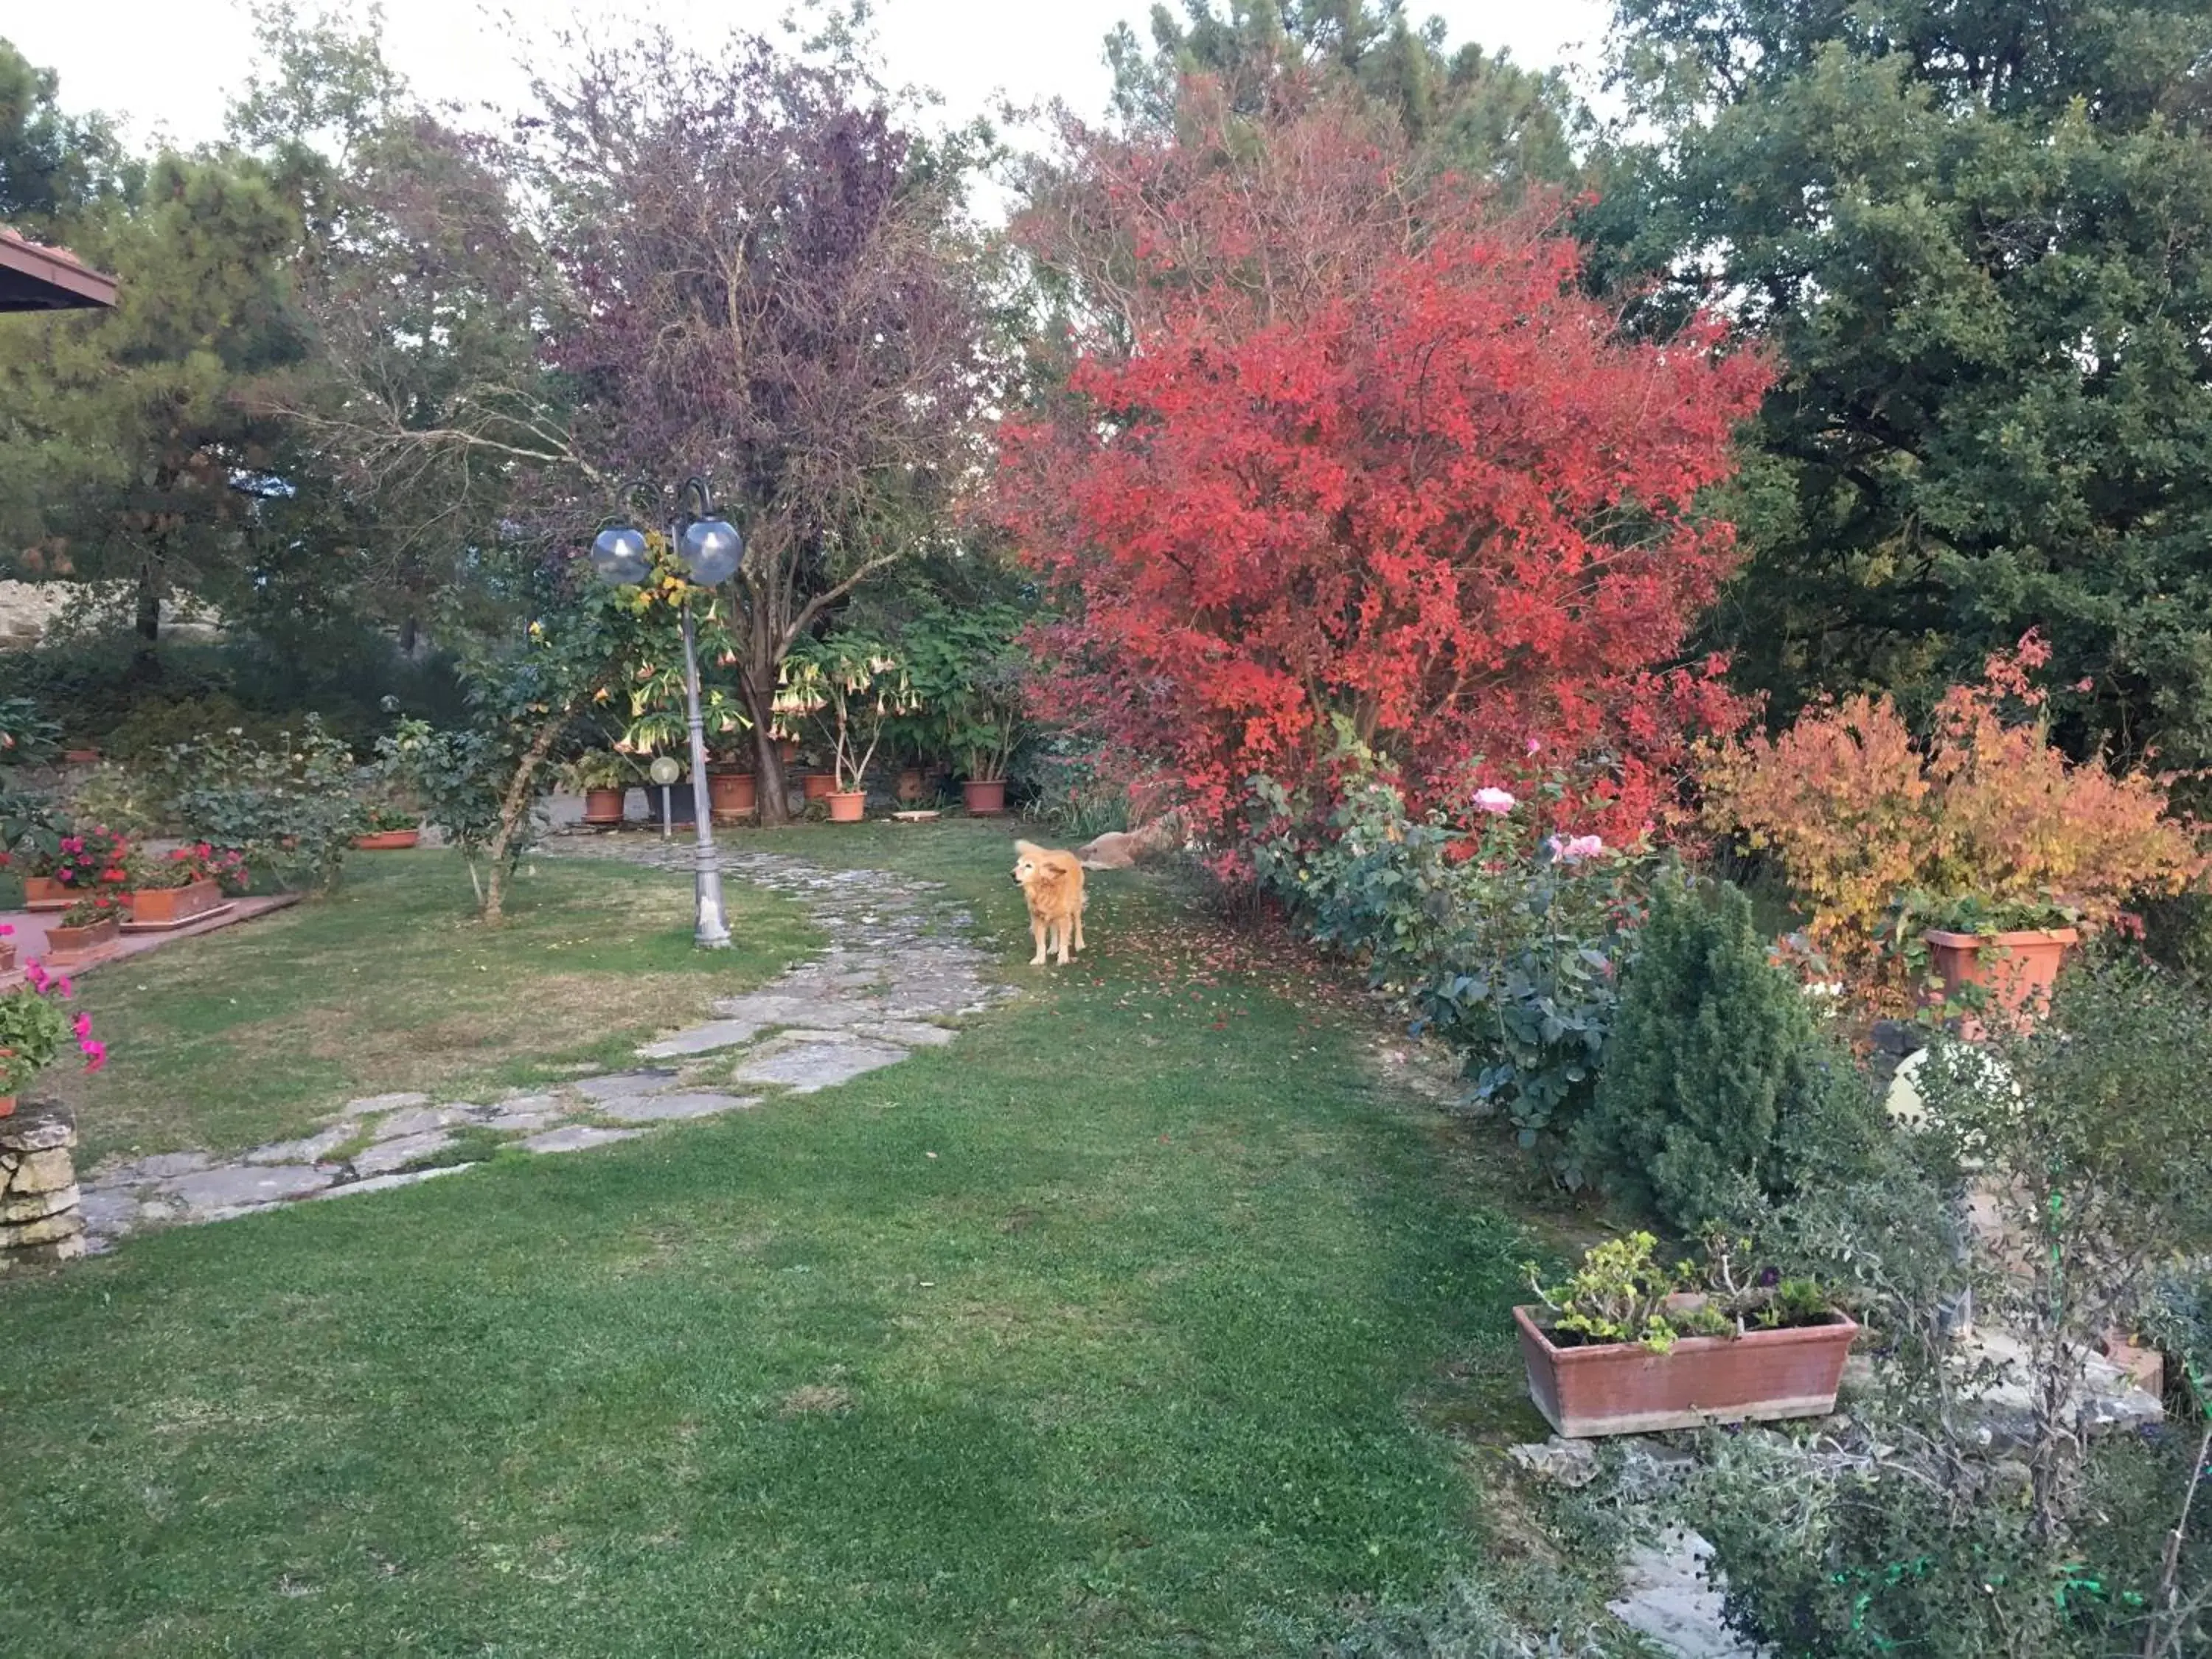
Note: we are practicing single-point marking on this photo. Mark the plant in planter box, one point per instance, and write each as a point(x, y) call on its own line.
point(1626, 1346)
point(384, 819)
point(33, 1026)
point(92, 859)
point(185, 882)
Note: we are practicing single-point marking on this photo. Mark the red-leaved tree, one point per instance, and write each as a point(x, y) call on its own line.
point(1340, 443)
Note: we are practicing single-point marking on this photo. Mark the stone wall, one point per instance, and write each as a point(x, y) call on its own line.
point(39, 1216)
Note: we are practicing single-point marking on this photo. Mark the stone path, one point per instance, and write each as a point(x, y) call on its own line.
point(901, 969)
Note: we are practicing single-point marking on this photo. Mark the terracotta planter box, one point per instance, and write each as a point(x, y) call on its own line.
point(172, 907)
point(46, 893)
point(75, 944)
point(848, 805)
point(2015, 971)
point(82, 756)
point(604, 806)
point(730, 795)
point(387, 840)
point(984, 796)
point(7, 956)
point(1623, 1387)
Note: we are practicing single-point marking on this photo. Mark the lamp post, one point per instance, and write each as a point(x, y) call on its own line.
point(709, 547)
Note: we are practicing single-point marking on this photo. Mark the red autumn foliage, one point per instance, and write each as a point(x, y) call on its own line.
point(1349, 445)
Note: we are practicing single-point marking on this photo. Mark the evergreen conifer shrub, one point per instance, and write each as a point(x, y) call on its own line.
point(1720, 1090)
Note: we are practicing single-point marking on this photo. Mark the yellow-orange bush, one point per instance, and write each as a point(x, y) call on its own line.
point(1867, 822)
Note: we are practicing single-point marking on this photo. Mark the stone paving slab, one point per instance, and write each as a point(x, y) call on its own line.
point(804, 1067)
point(908, 1033)
point(389, 1155)
point(576, 1138)
point(238, 1185)
point(386, 1183)
point(616, 1085)
point(311, 1150)
point(663, 1109)
point(368, 1103)
point(421, 1120)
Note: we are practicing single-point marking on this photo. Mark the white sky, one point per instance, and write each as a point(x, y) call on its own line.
point(168, 67)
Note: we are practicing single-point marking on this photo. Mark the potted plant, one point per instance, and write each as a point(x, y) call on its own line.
point(1985, 958)
point(732, 788)
point(1628, 1346)
point(32, 1027)
point(602, 778)
point(987, 724)
point(179, 886)
point(851, 685)
point(90, 924)
point(59, 865)
point(389, 829)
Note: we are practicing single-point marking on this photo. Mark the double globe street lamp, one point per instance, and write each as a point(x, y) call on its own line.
point(709, 548)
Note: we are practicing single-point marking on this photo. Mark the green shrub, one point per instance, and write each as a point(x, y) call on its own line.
point(28, 737)
point(1508, 951)
point(288, 805)
point(1720, 1090)
point(151, 729)
point(2086, 1144)
point(2177, 931)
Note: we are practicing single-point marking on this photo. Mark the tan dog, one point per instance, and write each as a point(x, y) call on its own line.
point(1052, 883)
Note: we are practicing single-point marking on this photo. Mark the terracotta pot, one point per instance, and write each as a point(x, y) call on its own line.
point(848, 805)
point(819, 786)
point(80, 756)
point(168, 907)
point(7, 1105)
point(604, 806)
point(910, 783)
point(2015, 971)
point(1623, 1387)
point(46, 893)
point(387, 840)
point(984, 796)
point(731, 794)
point(787, 750)
point(74, 944)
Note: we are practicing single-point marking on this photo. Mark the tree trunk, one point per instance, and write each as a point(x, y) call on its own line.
point(511, 811)
point(768, 790)
point(149, 608)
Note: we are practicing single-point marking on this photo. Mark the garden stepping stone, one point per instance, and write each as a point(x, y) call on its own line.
point(313, 1149)
point(576, 1138)
point(806, 1066)
point(616, 1085)
point(243, 1186)
point(386, 1183)
point(421, 1120)
point(658, 1109)
point(701, 1039)
point(369, 1103)
point(386, 1156)
point(907, 1033)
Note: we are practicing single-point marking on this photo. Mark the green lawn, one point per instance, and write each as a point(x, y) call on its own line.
point(1132, 1323)
point(255, 1033)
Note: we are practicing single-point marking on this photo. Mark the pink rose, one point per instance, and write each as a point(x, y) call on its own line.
point(1495, 801)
